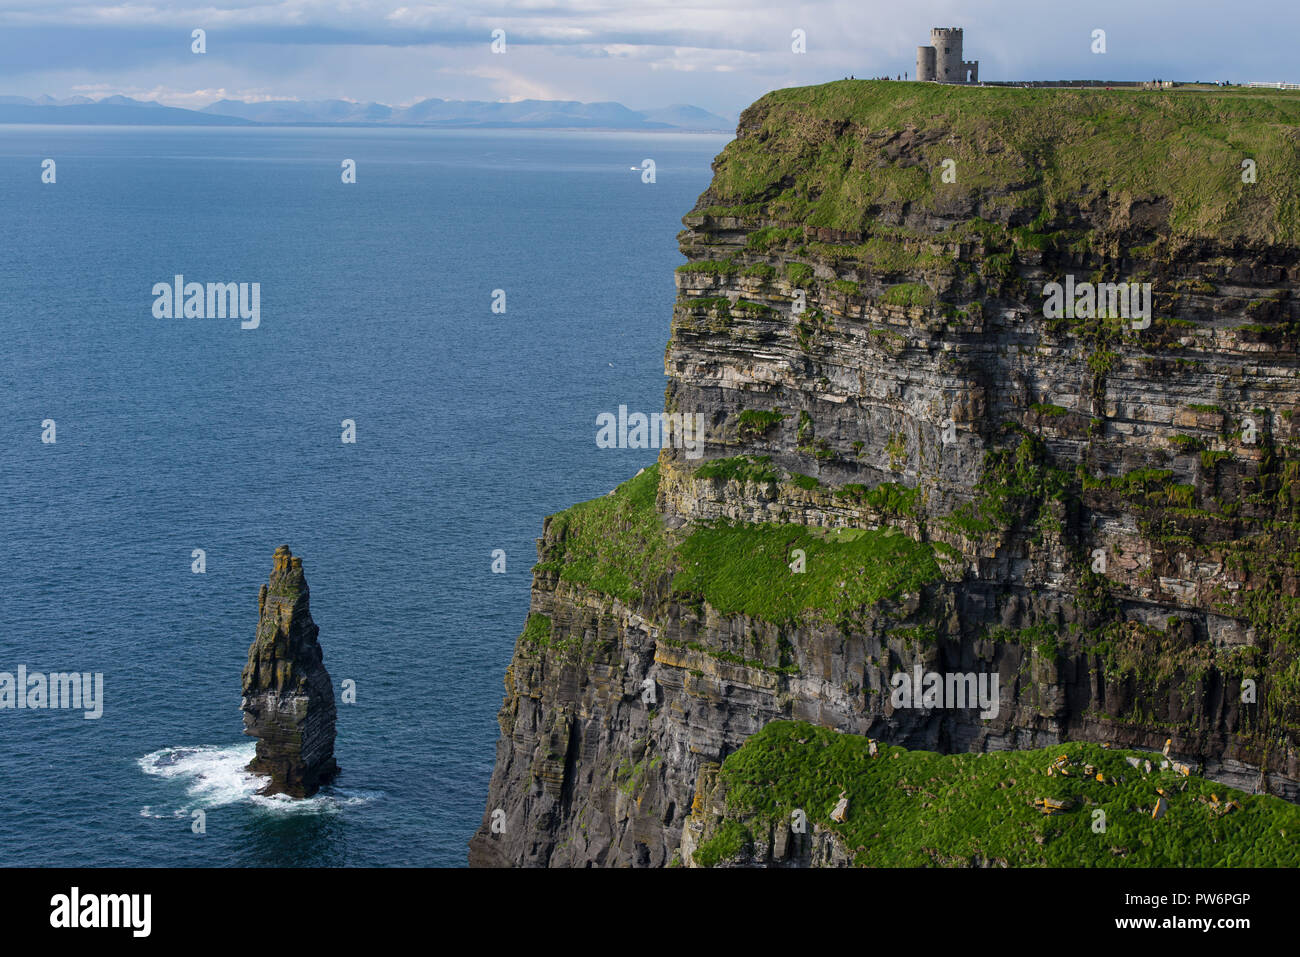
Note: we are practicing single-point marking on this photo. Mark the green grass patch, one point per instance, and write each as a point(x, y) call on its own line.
point(799, 274)
point(1046, 408)
point(919, 808)
point(910, 294)
point(1149, 487)
point(731, 838)
point(718, 267)
point(742, 468)
point(891, 498)
point(617, 545)
point(537, 630)
point(748, 307)
point(998, 267)
point(614, 545)
point(744, 569)
point(1012, 489)
point(765, 238)
point(754, 423)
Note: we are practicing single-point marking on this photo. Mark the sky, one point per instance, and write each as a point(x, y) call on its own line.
point(717, 54)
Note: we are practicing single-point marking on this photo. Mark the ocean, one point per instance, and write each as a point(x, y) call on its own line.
point(177, 434)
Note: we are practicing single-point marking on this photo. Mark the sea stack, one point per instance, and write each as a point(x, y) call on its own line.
point(288, 696)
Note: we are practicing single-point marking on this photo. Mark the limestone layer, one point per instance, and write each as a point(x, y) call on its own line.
point(288, 699)
point(1119, 499)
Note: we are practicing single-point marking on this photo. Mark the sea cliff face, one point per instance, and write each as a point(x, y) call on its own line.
point(913, 460)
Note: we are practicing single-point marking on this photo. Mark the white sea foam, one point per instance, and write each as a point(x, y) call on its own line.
point(329, 801)
point(214, 776)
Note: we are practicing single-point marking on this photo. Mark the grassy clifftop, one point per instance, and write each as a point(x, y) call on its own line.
point(836, 155)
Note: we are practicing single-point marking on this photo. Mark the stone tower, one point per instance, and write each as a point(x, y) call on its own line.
point(925, 63)
point(941, 61)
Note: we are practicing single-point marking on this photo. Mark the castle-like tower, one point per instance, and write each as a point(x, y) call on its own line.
point(941, 61)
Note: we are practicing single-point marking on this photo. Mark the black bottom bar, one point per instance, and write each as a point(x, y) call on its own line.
point(294, 907)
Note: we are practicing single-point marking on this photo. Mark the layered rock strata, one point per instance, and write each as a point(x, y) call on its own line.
point(288, 698)
point(1112, 503)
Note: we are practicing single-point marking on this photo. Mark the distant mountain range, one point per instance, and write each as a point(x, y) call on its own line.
point(528, 114)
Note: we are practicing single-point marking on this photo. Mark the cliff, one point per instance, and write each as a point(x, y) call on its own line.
point(912, 459)
point(288, 698)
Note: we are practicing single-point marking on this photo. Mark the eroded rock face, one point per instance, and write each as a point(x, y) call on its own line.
point(288, 696)
point(1123, 502)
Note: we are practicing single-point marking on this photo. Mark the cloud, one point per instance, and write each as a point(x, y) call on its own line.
point(510, 87)
point(644, 54)
point(168, 96)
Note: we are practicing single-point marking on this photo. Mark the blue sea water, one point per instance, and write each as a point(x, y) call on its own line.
point(177, 434)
